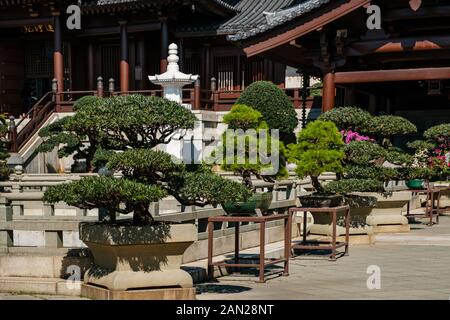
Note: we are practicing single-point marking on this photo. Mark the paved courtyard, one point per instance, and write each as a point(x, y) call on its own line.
point(415, 265)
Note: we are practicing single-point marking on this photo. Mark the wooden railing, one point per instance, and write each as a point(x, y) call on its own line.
point(199, 99)
point(37, 115)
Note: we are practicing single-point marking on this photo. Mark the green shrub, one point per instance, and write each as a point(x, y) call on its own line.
point(243, 117)
point(275, 106)
point(319, 149)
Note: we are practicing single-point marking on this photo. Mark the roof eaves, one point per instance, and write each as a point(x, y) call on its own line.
point(274, 19)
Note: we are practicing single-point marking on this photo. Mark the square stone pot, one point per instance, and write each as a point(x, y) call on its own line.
point(138, 257)
point(389, 208)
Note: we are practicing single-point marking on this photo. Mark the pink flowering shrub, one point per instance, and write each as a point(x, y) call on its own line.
point(349, 136)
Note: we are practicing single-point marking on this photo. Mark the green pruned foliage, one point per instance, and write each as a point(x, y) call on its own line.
point(117, 195)
point(319, 149)
point(275, 106)
point(354, 185)
point(349, 118)
point(439, 134)
point(388, 126)
point(252, 147)
point(365, 153)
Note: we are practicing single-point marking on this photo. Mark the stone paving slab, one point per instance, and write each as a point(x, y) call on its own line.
point(414, 266)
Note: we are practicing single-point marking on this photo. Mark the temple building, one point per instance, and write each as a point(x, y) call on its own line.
point(125, 40)
point(385, 56)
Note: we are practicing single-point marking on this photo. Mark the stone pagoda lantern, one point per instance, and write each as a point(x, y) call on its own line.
point(185, 146)
point(173, 80)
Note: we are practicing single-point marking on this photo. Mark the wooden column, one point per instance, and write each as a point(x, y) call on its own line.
point(58, 62)
point(91, 66)
point(329, 91)
point(124, 66)
point(164, 44)
point(141, 57)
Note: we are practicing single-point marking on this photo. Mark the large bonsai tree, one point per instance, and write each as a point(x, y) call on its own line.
point(130, 128)
point(255, 154)
point(274, 105)
point(370, 159)
point(319, 149)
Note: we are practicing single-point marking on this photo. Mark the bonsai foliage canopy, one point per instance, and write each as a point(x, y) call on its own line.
point(274, 105)
point(128, 130)
point(319, 149)
point(257, 148)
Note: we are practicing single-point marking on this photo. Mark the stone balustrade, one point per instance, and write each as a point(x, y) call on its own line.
point(28, 225)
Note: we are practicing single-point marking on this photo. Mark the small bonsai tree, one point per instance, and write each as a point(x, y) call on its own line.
point(319, 149)
point(137, 124)
point(274, 105)
point(250, 152)
point(432, 153)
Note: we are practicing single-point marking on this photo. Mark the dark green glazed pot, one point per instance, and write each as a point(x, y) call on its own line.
point(260, 201)
point(415, 183)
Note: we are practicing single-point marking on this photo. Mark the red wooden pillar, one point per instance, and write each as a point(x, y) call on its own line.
point(329, 91)
point(164, 44)
point(58, 62)
point(124, 66)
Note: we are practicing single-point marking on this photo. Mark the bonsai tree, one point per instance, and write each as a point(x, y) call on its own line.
point(319, 149)
point(138, 124)
point(253, 158)
point(274, 105)
point(433, 152)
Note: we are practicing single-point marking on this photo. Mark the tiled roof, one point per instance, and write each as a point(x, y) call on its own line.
point(270, 18)
point(251, 14)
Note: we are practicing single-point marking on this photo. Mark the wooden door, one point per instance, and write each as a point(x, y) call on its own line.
point(11, 78)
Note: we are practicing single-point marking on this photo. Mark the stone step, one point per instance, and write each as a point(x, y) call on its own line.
point(53, 286)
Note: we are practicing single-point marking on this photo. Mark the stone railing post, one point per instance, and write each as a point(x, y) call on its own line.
point(111, 86)
point(100, 92)
point(6, 236)
point(12, 134)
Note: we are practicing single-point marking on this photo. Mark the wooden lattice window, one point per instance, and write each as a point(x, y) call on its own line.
point(39, 60)
point(226, 70)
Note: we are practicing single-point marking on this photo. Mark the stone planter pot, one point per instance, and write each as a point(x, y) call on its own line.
point(137, 257)
point(319, 201)
point(258, 201)
point(360, 231)
point(389, 213)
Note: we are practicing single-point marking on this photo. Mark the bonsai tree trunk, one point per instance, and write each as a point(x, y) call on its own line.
point(142, 215)
point(247, 179)
point(316, 184)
